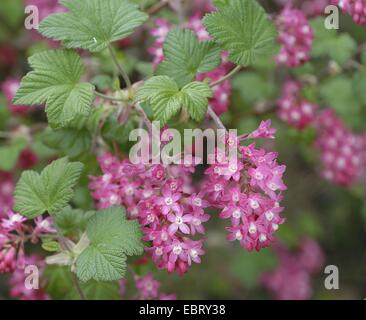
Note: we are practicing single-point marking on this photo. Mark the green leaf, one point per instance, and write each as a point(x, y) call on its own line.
point(50, 191)
point(194, 99)
point(60, 286)
point(93, 24)
point(162, 93)
point(50, 245)
point(339, 93)
point(55, 81)
point(243, 28)
point(69, 220)
point(71, 142)
point(9, 154)
point(112, 238)
point(185, 56)
point(343, 45)
point(166, 99)
point(98, 290)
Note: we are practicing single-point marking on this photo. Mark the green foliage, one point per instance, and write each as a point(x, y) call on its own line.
point(338, 93)
point(69, 220)
point(166, 99)
point(71, 142)
point(185, 56)
point(249, 266)
point(60, 285)
point(253, 88)
point(9, 154)
point(243, 28)
point(55, 81)
point(339, 47)
point(112, 238)
point(49, 191)
point(93, 24)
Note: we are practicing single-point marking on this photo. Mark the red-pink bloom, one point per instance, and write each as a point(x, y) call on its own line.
point(9, 87)
point(250, 196)
point(355, 8)
point(293, 108)
point(292, 278)
point(148, 287)
point(342, 151)
point(295, 36)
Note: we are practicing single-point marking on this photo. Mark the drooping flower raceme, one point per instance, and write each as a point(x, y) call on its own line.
point(355, 8)
point(293, 108)
point(164, 202)
point(7, 186)
point(292, 278)
point(248, 191)
point(295, 36)
point(342, 151)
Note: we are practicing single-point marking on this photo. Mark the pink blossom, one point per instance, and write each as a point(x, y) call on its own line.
point(355, 8)
point(147, 287)
point(295, 36)
point(9, 88)
point(293, 108)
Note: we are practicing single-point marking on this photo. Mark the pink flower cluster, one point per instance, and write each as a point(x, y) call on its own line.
point(293, 108)
point(248, 190)
point(148, 289)
point(163, 201)
point(9, 88)
point(355, 8)
point(14, 233)
point(296, 37)
point(342, 151)
point(292, 279)
point(310, 8)
point(7, 187)
point(221, 93)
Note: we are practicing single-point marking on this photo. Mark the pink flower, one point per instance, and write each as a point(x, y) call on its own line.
point(44, 225)
point(355, 8)
point(168, 201)
point(148, 287)
point(178, 222)
point(13, 222)
point(264, 131)
point(342, 151)
point(295, 36)
point(293, 108)
point(9, 88)
point(196, 221)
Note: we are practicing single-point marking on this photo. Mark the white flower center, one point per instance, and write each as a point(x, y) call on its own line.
point(273, 186)
point(269, 215)
point(252, 228)
point(262, 237)
point(218, 187)
point(178, 220)
point(168, 201)
point(254, 204)
point(177, 250)
point(159, 251)
point(236, 214)
point(238, 236)
point(196, 222)
point(197, 202)
point(193, 253)
point(258, 175)
point(274, 226)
